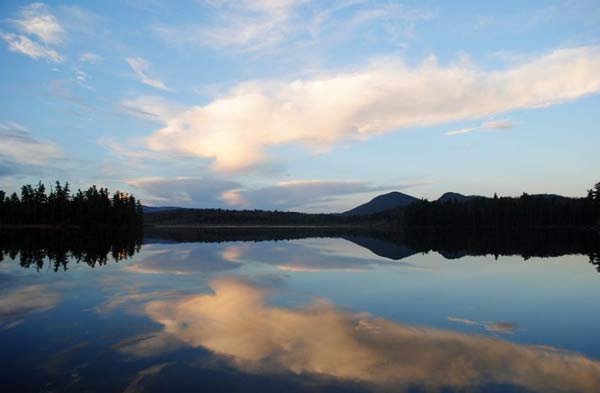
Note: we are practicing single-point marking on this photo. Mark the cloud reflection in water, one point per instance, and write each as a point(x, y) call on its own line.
point(319, 338)
point(28, 299)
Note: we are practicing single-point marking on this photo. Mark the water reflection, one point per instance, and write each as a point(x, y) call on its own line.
point(57, 248)
point(241, 311)
point(34, 248)
point(319, 338)
point(16, 303)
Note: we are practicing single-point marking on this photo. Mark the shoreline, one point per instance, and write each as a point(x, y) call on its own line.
point(303, 226)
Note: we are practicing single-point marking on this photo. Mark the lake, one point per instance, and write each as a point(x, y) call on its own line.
point(299, 310)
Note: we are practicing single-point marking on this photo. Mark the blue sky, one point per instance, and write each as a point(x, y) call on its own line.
point(300, 104)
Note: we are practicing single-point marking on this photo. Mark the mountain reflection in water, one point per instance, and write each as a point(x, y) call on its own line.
point(329, 310)
point(34, 247)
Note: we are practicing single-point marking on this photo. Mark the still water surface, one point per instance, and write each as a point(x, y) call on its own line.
point(350, 313)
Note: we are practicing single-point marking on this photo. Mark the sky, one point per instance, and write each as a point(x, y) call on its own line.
point(301, 105)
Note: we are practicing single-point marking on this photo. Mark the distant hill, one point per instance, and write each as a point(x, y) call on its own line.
point(456, 197)
point(381, 203)
point(156, 209)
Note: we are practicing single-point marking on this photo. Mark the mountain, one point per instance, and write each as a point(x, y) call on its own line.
point(381, 247)
point(456, 197)
point(380, 203)
point(156, 209)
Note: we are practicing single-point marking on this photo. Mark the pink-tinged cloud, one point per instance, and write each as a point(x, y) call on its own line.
point(320, 339)
point(237, 130)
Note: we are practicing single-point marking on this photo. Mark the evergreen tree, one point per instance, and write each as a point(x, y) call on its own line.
point(91, 208)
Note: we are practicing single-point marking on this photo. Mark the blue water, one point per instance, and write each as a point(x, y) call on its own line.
point(301, 315)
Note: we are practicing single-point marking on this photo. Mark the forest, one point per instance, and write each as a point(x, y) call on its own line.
point(209, 217)
point(507, 212)
point(92, 208)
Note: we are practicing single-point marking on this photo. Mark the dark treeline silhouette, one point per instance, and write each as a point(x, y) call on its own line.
point(36, 248)
point(245, 217)
point(506, 212)
point(94, 207)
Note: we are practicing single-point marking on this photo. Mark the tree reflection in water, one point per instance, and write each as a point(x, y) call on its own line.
point(57, 248)
point(34, 248)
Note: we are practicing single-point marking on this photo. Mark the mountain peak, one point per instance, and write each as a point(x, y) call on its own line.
point(455, 197)
point(383, 202)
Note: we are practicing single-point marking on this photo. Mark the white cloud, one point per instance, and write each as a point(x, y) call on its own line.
point(461, 131)
point(89, 57)
point(20, 147)
point(237, 322)
point(35, 19)
point(288, 195)
point(498, 125)
point(237, 129)
point(139, 67)
point(184, 191)
point(22, 44)
point(492, 125)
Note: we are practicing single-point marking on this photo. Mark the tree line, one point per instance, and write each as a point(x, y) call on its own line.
point(507, 212)
point(246, 217)
point(92, 208)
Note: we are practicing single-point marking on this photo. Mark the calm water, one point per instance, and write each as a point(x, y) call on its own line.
point(180, 311)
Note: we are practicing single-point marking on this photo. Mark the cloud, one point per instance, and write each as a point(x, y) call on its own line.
point(320, 339)
point(461, 131)
point(193, 258)
point(132, 299)
point(299, 193)
point(253, 25)
point(22, 44)
point(236, 130)
point(137, 384)
point(139, 67)
point(22, 152)
point(498, 125)
point(492, 125)
point(307, 255)
point(343, 20)
point(35, 20)
point(151, 108)
point(464, 321)
point(186, 191)
point(496, 327)
point(62, 90)
point(212, 193)
point(89, 57)
point(501, 327)
point(248, 25)
point(82, 79)
point(16, 304)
